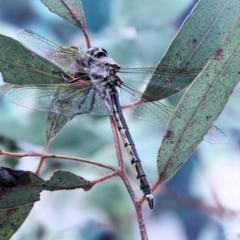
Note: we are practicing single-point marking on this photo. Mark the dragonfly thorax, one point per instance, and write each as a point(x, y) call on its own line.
point(104, 68)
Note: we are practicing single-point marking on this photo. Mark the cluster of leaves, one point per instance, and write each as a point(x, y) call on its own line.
point(211, 52)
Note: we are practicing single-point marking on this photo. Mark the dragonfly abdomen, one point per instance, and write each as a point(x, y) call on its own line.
point(130, 148)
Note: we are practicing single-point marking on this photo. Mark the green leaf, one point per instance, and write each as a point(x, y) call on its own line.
point(70, 10)
point(18, 188)
point(18, 65)
point(9, 143)
point(55, 123)
point(201, 104)
point(189, 52)
point(12, 219)
point(66, 180)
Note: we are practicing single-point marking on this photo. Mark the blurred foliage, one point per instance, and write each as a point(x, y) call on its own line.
point(10, 146)
point(134, 32)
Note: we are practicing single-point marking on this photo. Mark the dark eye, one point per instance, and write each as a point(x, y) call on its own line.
point(97, 52)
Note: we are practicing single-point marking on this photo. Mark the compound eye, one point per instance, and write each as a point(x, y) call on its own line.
point(97, 52)
point(104, 52)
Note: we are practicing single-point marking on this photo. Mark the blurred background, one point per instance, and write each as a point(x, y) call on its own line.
point(200, 202)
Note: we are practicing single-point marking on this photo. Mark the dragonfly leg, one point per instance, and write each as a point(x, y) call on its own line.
point(70, 81)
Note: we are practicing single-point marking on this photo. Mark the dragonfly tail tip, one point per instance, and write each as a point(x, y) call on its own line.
point(150, 200)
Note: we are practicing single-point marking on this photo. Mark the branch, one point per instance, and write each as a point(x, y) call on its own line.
point(65, 157)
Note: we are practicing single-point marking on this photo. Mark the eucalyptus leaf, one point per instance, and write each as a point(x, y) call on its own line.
point(55, 123)
point(12, 219)
point(201, 105)
point(18, 188)
point(70, 10)
point(18, 65)
point(62, 179)
point(198, 38)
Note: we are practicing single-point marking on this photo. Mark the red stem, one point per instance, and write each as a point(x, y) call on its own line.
point(47, 155)
point(87, 39)
point(132, 104)
point(124, 176)
point(117, 143)
point(43, 156)
point(83, 28)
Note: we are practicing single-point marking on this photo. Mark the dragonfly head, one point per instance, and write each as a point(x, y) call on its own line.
point(97, 52)
point(102, 54)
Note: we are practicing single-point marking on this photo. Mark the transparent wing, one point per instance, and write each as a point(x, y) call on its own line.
point(158, 113)
point(152, 111)
point(70, 59)
point(162, 76)
point(215, 135)
point(155, 112)
point(64, 57)
point(69, 99)
point(75, 99)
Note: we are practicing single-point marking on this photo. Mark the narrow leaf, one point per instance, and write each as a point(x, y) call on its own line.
point(18, 188)
point(201, 104)
point(70, 10)
point(66, 180)
point(12, 219)
point(18, 65)
point(189, 52)
point(55, 123)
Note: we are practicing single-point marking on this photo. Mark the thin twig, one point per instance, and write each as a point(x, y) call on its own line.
point(83, 28)
point(43, 156)
point(116, 173)
point(116, 142)
point(65, 157)
point(124, 176)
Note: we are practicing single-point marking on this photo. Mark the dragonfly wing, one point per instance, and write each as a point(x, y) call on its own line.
point(158, 113)
point(215, 135)
point(69, 100)
point(162, 77)
point(155, 112)
point(64, 57)
point(90, 103)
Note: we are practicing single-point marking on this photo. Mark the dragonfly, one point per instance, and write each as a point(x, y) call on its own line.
point(95, 86)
